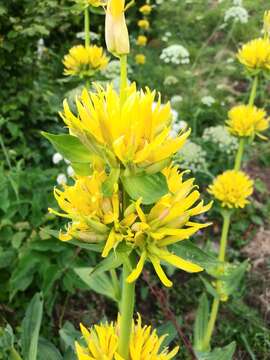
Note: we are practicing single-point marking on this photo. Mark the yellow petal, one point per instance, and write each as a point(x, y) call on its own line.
point(160, 273)
point(137, 271)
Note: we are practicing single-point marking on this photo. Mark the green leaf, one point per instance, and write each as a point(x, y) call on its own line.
point(233, 275)
point(69, 147)
point(108, 185)
point(68, 335)
point(201, 322)
point(210, 289)
point(30, 328)
point(99, 282)
point(112, 261)
point(225, 353)
point(189, 251)
point(149, 187)
point(82, 169)
point(167, 329)
point(47, 350)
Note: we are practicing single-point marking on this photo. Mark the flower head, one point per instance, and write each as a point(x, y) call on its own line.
point(141, 40)
point(133, 133)
point(140, 59)
point(143, 24)
point(146, 9)
point(255, 55)
point(102, 343)
point(232, 188)
point(84, 61)
point(247, 120)
point(175, 54)
point(167, 222)
point(116, 32)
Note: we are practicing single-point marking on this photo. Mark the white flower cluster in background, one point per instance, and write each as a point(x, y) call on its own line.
point(220, 136)
point(192, 156)
point(112, 71)
point(177, 127)
point(40, 48)
point(62, 178)
point(237, 13)
point(175, 54)
point(208, 100)
point(166, 36)
point(176, 99)
point(93, 35)
point(170, 80)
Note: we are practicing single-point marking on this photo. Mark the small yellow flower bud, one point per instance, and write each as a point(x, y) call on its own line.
point(266, 25)
point(141, 40)
point(140, 59)
point(146, 9)
point(143, 24)
point(116, 32)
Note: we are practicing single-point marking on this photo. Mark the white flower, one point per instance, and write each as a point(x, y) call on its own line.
point(67, 161)
point(93, 35)
point(40, 48)
point(166, 36)
point(175, 54)
point(61, 179)
point(174, 115)
point(112, 71)
point(176, 99)
point(192, 156)
point(57, 158)
point(70, 171)
point(220, 135)
point(237, 14)
point(177, 126)
point(170, 80)
point(237, 2)
point(208, 100)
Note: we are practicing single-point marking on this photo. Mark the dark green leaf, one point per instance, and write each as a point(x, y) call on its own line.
point(225, 353)
point(47, 350)
point(30, 328)
point(201, 322)
point(148, 187)
point(108, 185)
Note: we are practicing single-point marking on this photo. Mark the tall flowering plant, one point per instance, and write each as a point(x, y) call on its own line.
point(128, 200)
point(232, 188)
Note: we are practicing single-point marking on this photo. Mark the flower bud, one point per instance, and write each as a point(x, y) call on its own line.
point(116, 32)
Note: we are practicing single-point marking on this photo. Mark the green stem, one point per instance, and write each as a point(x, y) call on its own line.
point(87, 27)
point(211, 324)
point(224, 235)
point(123, 77)
point(253, 92)
point(239, 155)
point(5, 153)
point(14, 354)
point(115, 283)
point(126, 311)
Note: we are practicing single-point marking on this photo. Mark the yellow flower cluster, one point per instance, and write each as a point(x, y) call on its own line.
point(84, 61)
point(102, 343)
point(141, 40)
point(247, 121)
point(96, 219)
point(144, 24)
point(232, 188)
point(146, 9)
point(134, 132)
point(140, 59)
point(255, 55)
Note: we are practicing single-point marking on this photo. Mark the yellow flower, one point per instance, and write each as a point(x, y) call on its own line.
point(94, 217)
point(102, 343)
point(84, 61)
point(141, 40)
point(167, 222)
point(232, 188)
point(247, 120)
point(266, 25)
point(135, 132)
point(144, 24)
point(255, 55)
point(140, 59)
point(146, 9)
point(116, 32)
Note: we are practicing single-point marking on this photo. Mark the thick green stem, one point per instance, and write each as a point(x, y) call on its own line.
point(224, 235)
point(123, 77)
point(211, 324)
point(126, 312)
point(87, 27)
point(239, 155)
point(253, 92)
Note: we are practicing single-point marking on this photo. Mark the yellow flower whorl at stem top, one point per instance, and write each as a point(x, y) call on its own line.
point(144, 24)
point(232, 188)
point(247, 120)
point(84, 61)
point(96, 219)
point(255, 55)
point(146, 9)
point(102, 343)
point(141, 40)
point(140, 59)
point(136, 131)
